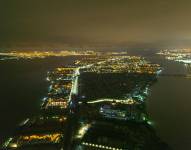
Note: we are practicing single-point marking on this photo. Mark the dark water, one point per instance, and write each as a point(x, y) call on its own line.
point(169, 105)
point(22, 85)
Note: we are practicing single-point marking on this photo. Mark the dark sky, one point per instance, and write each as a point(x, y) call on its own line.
point(95, 23)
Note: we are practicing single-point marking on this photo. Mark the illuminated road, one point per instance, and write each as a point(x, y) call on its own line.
point(75, 84)
point(74, 89)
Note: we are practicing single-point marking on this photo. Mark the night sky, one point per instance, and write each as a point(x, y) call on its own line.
point(95, 23)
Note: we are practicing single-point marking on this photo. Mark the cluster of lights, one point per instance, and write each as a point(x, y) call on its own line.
point(179, 55)
point(58, 103)
point(48, 137)
point(43, 54)
point(119, 101)
point(53, 138)
point(62, 80)
point(61, 73)
point(83, 130)
point(123, 64)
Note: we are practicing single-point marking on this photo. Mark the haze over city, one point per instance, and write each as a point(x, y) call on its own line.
point(95, 23)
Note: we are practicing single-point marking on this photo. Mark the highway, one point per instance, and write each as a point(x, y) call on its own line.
point(74, 89)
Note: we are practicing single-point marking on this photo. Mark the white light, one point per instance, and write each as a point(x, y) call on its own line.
point(13, 145)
